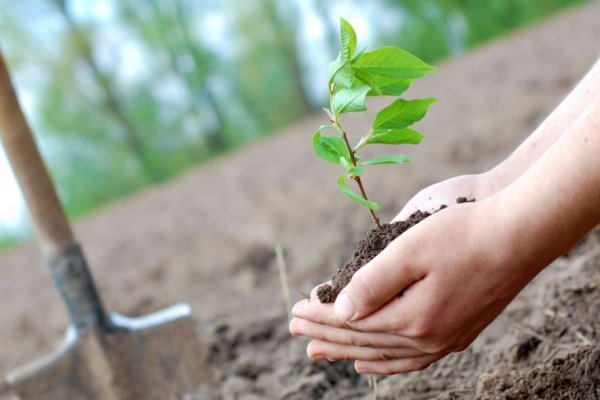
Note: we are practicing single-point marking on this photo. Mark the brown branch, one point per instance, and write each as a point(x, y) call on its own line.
point(374, 217)
point(364, 194)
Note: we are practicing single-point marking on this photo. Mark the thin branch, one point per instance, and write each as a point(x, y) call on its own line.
point(357, 179)
point(364, 195)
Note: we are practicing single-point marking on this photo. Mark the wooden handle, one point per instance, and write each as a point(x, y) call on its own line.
point(51, 225)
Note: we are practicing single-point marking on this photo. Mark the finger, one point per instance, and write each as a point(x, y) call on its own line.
point(303, 327)
point(317, 349)
point(397, 366)
point(400, 317)
point(382, 279)
point(313, 292)
point(393, 318)
point(313, 310)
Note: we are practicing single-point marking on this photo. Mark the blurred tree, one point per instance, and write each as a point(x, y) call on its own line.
point(165, 28)
point(82, 43)
point(492, 18)
point(429, 28)
point(284, 24)
point(125, 93)
point(434, 29)
point(266, 75)
point(332, 34)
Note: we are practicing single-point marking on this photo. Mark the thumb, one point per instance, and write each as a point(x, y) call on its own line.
point(375, 284)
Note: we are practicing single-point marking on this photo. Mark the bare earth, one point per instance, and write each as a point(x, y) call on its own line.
point(208, 238)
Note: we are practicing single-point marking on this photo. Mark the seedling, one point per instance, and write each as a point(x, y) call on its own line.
point(387, 71)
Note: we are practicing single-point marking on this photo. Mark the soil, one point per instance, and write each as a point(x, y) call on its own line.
point(208, 239)
point(376, 240)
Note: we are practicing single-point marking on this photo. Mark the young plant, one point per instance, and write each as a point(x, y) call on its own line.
point(387, 71)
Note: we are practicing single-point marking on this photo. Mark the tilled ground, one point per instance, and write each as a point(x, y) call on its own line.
point(208, 238)
point(544, 346)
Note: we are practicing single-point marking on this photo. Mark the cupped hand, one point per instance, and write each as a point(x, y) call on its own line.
point(475, 186)
point(429, 293)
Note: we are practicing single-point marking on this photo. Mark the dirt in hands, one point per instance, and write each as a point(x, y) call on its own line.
point(544, 346)
point(374, 243)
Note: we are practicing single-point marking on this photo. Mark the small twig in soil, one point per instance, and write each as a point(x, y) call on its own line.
point(373, 385)
point(552, 353)
point(531, 332)
point(424, 396)
point(584, 339)
point(285, 289)
point(549, 313)
point(543, 338)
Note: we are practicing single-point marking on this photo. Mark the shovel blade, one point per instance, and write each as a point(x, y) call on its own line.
point(153, 357)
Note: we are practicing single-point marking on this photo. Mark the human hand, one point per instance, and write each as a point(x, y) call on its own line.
point(431, 198)
point(456, 271)
point(436, 287)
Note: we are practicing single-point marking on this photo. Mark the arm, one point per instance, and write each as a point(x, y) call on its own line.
point(458, 269)
point(550, 130)
point(480, 186)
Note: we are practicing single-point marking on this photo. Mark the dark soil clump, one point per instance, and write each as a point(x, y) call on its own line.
point(374, 243)
point(576, 376)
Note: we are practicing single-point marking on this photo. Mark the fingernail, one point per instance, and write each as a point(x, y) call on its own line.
point(343, 308)
point(297, 308)
point(318, 357)
point(361, 370)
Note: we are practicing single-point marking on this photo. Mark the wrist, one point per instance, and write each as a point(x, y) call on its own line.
point(517, 253)
point(494, 180)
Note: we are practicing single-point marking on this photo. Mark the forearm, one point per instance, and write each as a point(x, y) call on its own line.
point(481, 186)
point(549, 131)
point(557, 201)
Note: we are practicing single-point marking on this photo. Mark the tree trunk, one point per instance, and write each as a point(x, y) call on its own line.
point(287, 44)
point(132, 137)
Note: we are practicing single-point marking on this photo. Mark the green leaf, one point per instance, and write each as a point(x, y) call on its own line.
point(400, 159)
point(401, 114)
point(360, 53)
point(349, 100)
point(354, 196)
point(330, 148)
point(394, 136)
point(390, 87)
point(393, 63)
point(382, 85)
point(348, 37)
point(340, 72)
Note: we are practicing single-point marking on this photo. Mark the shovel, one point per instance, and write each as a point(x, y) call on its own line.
point(104, 356)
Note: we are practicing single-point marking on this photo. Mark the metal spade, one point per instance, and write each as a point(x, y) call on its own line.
point(104, 355)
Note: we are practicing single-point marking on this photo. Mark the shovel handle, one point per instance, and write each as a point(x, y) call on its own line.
point(64, 256)
point(51, 225)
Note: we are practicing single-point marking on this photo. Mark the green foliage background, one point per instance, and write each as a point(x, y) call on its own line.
point(128, 93)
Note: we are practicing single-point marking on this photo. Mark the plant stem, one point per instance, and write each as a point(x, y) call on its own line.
point(362, 192)
point(356, 179)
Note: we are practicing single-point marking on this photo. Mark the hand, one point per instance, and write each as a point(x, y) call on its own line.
point(456, 271)
point(476, 186)
point(436, 287)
